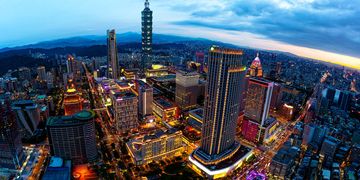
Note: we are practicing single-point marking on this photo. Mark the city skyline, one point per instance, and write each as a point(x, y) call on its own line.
point(328, 31)
point(190, 106)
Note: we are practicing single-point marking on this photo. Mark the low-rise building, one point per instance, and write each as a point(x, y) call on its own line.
point(165, 110)
point(58, 169)
point(282, 163)
point(154, 147)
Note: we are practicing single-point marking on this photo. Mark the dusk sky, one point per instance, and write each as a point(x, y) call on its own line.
point(328, 30)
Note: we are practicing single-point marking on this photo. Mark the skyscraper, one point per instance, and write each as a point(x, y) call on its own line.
point(112, 57)
point(41, 71)
point(125, 104)
point(222, 100)
point(187, 89)
point(28, 116)
point(11, 152)
point(146, 32)
point(258, 100)
point(145, 92)
point(256, 68)
point(257, 106)
point(73, 137)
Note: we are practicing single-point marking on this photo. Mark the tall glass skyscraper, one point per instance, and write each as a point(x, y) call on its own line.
point(146, 32)
point(223, 96)
point(258, 100)
point(112, 57)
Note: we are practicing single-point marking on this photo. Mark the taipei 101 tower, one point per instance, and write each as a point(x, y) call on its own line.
point(146, 32)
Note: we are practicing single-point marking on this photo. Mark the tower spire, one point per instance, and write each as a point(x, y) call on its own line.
point(147, 4)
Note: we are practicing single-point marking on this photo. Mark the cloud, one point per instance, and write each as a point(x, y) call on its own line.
point(330, 25)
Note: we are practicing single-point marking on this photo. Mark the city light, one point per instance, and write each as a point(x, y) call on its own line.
point(155, 99)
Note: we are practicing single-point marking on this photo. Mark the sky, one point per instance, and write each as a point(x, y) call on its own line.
point(327, 30)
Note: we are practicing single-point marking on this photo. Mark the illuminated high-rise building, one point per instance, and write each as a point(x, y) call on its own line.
point(258, 100)
point(256, 125)
point(145, 96)
point(72, 101)
point(222, 100)
point(70, 64)
point(255, 68)
point(41, 71)
point(73, 137)
point(125, 104)
point(187, 89)
point(146, 32)
point(11, 151)
point(113, 69)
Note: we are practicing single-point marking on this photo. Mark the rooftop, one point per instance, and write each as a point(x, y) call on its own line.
point(170, 77)
point(269, 121)
point(187, 72)
point(224, 166)
point(124, 95)
point(285, 155)
point(164, 103)
point(58, 173)
point(76, 119)
point(56, 161)
point(22, 104)
point(157, 134)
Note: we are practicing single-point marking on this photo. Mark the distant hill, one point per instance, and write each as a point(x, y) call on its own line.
point(91, 40)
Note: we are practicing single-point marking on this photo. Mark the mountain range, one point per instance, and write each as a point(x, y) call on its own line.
point(91, 40)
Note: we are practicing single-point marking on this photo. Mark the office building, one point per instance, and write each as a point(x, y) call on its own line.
point(41, 72)
point(329, 147)
point(314, 133)
point(187, 89)
point(27, 115)
point(222, 100)
point(334, 97)
point(113, 69)
point(11, 151)
point(154, 147)
point(73, 137)
point(145, 96)
point(9, 84)
point(146, 32)
point(49, 80)
point(70, 64)
point(165, 110)
point(131, 73)
point(256, 121)
point(73, 68)
point(196, 117)
point(308, 134)
point(125, 105)
point(282, 163)
point(255, 68)
point(258, 99)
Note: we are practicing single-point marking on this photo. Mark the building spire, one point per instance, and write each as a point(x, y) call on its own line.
point(147, 4)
